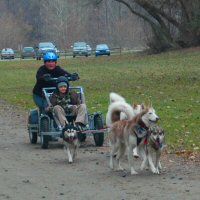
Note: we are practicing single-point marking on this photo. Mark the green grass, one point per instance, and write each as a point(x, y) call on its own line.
point(170, 80)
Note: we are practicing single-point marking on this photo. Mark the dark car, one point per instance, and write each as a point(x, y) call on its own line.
point(45, 47)
point(7, 53)
point(102, 49)
point(28, 52)
point(81, 49)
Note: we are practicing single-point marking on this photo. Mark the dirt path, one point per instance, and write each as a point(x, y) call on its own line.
point(28, 172)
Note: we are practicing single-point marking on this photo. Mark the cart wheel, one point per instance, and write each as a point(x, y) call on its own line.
point(32, 135)
point(44, 139)
point(98, 137)
point(81, 137)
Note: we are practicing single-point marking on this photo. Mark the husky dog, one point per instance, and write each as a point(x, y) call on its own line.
point(70, 141)
point(128, 134)
point(120, 110)
point(154, 144)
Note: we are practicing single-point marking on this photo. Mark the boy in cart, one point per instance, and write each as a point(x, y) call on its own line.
point(64, 102)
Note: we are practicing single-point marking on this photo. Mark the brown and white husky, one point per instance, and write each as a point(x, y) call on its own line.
point(119, 109)
point(128, 134)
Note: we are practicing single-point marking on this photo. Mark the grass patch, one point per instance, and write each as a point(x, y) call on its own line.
point(171, 81)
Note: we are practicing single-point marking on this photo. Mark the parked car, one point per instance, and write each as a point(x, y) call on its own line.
point(45, 47)
point(7, 53)
point(89, 49)
point(28, 52)
point(102, 49)
point(81, 49)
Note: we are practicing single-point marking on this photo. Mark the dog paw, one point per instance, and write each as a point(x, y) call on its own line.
point(133, 172)
point(155, 171)
point(120, 169)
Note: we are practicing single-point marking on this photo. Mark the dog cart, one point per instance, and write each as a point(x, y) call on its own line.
point(45, 126)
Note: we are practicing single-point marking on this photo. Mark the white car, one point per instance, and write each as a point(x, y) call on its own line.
point(7, 53)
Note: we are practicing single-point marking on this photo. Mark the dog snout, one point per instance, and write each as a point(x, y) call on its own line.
point(157, 118)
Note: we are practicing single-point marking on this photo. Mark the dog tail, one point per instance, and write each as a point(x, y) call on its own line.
point(117, 111)
point(116, 97)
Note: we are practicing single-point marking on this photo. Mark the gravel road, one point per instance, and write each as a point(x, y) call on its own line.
point(28, 172)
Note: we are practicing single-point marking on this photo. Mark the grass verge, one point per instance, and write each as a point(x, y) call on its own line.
point(170, 80)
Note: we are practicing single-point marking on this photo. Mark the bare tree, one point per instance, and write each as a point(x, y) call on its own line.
point(12, 31)
point(163, 15)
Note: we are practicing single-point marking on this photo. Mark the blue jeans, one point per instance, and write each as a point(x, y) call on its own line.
point(40, 102)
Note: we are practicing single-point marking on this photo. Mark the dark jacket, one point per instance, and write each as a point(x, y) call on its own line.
point(71, 98)
point(41, 83)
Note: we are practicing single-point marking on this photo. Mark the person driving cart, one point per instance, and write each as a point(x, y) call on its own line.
point(49, 70)
point(64, 102)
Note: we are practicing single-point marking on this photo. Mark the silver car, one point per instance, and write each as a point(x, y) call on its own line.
point(7, 53)
point(81, 49)
point(45, 47)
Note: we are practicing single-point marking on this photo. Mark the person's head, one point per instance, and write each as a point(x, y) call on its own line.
point(50, 60)
point(62, 85)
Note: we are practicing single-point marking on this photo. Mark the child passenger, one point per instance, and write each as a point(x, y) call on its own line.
point(65, 102)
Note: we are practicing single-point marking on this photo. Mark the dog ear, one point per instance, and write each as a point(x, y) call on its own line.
point(135, 105)
point(150, 104)
point(143, 106)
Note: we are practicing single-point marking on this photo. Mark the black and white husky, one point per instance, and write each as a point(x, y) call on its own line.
point(70, 141)
point(154, 144)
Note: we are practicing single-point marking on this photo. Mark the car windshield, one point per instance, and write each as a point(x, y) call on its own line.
point(80, 44)
point(46, 45)
point(102, 46)
point(28, 49)
point(7, 51)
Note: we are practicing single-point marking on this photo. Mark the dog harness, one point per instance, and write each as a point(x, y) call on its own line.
point(141, 131)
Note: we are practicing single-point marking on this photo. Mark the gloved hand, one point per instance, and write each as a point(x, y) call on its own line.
point(47, 77)
point(49, 108)
point(75, 77)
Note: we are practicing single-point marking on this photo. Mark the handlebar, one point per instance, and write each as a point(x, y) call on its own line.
point(73, 77)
